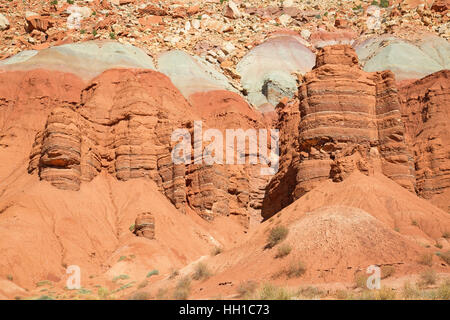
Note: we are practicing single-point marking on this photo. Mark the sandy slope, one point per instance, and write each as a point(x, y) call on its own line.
point(337, 230)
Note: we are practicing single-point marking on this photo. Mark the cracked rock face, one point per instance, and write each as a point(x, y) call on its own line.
point(425, 108)
point(345, 119)
point(123, 126)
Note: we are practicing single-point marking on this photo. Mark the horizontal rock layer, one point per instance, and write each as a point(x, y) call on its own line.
point(123, 126)
point(345, 119)
point(425, 108)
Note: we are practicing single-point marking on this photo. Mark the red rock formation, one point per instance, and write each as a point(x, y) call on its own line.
point(348, 120)
point(425, 108)
point(236, 190)
point(123, 126)
point(145, 226)
point(26, 99)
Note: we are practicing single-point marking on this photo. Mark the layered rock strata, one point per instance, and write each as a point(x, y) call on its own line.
point(425, 108)
point(345, 119)
point(123, 126)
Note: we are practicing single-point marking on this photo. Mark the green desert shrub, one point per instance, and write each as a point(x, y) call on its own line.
point(295, 269)
point(201, 272)
point(271, 292)
point(247, 289)
point(276, 235)
point(183, 289)
point(283, 250)
point(426, 259)
point(428, 277)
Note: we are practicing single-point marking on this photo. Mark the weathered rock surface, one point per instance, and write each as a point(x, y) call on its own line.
point(26, 99)
point(425, 108)
point(4, 23)
point(123, 126)
point(85, 60)
point(267, 70)
point(144, 225)
point(191, 74)
point(346, 120)
point(406, 59)
point(322, 38)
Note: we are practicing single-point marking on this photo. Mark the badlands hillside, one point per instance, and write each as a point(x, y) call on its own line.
point(91, 92)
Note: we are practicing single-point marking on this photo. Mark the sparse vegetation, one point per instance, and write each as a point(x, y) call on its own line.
point(295, 269)
point(283, 250)
point(122, 258)
point(384, 3)
point(445, 256)
point(161, 294)
point(342, 295)
point(103, 293)
point(428, 277)
point(9, 277)
point(45, 297)
point(143, 284)
point(121, 277)
point(152, 273)
point(140, 295)
point(443, 292)
point(382, 294)
point(438, 245)
point(410, 291)
point(131, 228)
point(426, 259)
point(125, 286)
point(112, 35)
point(201, 272)
point(271, 292)
point(183, 289)
point(414, 223)
point(276, 235)
point(387, 271)
point(43, 283)
point(84, 291)
point(385, 293)
point(247, 289)
point(310, 292)
point(361, 280)
point(446, 235)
